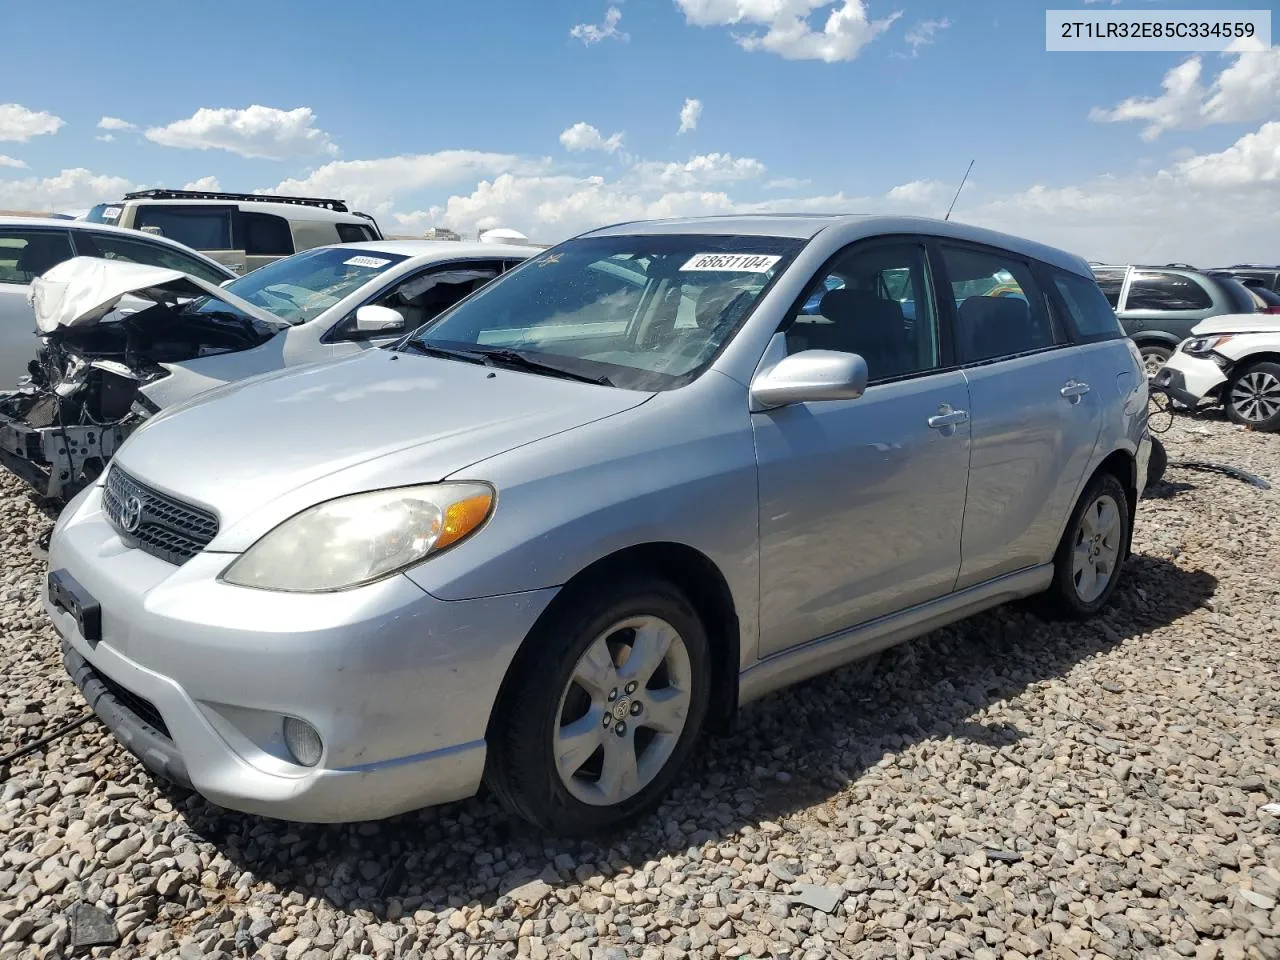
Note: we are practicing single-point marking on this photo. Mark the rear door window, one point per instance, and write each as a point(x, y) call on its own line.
point(201, 228)
point(25, 254)
point(1111, 282)
point(1166, 291)
point(263, 235)
point(1000, 308)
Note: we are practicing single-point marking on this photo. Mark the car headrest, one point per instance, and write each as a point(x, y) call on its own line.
point(863, 308)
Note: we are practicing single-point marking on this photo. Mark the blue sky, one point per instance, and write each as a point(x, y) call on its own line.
point(552, 117)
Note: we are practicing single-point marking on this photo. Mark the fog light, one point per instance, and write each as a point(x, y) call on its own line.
point(303, 741)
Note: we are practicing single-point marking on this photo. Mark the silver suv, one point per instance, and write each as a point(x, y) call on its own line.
point(550, 538)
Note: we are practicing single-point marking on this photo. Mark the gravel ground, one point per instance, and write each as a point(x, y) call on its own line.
point(1002, 788)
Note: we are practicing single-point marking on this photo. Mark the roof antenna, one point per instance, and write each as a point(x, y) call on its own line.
point(958, 189)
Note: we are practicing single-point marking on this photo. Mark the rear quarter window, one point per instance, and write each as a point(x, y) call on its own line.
point(1089, 313)
point(354, 233)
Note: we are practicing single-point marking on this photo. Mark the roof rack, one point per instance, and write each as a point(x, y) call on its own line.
point(1181, 266)
point(1251, 266)
point(337, 206)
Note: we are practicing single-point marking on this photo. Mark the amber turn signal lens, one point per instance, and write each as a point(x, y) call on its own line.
point(462, 517)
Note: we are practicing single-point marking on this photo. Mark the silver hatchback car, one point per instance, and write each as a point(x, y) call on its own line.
point(551, 537)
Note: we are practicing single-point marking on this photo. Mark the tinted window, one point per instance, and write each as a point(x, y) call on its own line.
point(1110, 282)
point(301, 287)
point(1237, 297)
point(112, 247)
point(263, 235)
point(1166, 291)
point(426, 295)
point(353, 233)
point(876, 302)
point(1000, 308)
point(201, 228)
point(1092, 318)
point(25, 254)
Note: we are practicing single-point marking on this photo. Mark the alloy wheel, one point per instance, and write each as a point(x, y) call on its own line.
point(1152, 362)
point(1256, 396)
point(1096, 551)
point(623, 710)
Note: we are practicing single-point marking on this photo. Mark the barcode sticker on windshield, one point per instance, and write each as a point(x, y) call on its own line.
point(111, 213)
point(738, 262)
point(373, 263)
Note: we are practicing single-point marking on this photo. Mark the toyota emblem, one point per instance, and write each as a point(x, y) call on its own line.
point(131, 514)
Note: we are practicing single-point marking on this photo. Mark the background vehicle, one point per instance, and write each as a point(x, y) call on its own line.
point(1233, 360)
point(1252, 274)
point(596, 506)
point(1158, 306)
point(102, 372)
point(244, 231)
point(1267, 301)
point(29, 246)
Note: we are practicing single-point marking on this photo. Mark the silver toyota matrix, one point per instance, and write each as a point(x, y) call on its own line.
point(552, 536)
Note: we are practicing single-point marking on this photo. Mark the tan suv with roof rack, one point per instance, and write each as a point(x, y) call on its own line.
point(243, 231)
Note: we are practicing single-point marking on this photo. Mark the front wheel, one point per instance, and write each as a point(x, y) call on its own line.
point(1153, 358)
point(1253, 397)
point(1086, 567)
point(595, 728)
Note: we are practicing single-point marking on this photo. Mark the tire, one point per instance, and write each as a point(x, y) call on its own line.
point(556, 698)
point(1154, 357)
point(1067, 596)
point(1252, 396)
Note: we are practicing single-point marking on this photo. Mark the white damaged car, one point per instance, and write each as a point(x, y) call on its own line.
point(122, 341)
point(1233, 360)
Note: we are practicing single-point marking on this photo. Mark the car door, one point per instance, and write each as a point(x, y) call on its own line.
point(25, 253)
point(1035, 417)
point(861, 501)
point(419, 297)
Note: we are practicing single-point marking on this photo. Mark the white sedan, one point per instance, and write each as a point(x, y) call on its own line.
point(1233, 359)
point(106, 365)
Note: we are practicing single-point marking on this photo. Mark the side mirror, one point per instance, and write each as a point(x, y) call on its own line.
point(153, 231)
point(808, 376)
point(375, 319)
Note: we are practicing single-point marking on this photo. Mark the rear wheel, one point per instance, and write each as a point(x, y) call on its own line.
point(595, 729)
point(1252, 396)
point(1087, 565)
point(1154, 357)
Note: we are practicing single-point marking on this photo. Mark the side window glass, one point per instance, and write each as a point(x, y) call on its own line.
point(1092, 317)
point(264, 235)
point(352, 233)
point(25, 254)
point(876, 302)
point(200, 228)
point(1166, 291)
point(112, 247)
point(1110, 282)
point(425, 296)
point(1001, 311)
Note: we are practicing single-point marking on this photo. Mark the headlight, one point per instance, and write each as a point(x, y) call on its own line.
point(1199, 346)
point(361, 538)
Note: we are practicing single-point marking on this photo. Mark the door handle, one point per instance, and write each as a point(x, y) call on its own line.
point(1073, 390)
point(946, 417)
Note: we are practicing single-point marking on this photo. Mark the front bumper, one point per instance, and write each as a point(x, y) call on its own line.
point(1189, 379)
point(56, 461)
point(195, 677)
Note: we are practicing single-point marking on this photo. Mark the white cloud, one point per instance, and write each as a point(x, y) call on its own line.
point(374, 185)
point(700, 170)
point(208, 184)
point(256, 131)
point(786, 183)
point(918, 192)
point(1253, 159)
point(106, 137)
point(115, 123)
point(70, 189)
point(583, 136)
point(788, 31)
point(19, 123)
point(1248, 89)
point(924, 32)
point(690, 114)
point(590, 33)
point(12, 162)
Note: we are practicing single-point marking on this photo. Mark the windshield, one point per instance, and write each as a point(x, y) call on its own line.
point(301, 287)
point(105, 213)
point(640, 312)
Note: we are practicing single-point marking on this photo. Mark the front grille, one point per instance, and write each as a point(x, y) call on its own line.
point(154, 522)
point(142, 708)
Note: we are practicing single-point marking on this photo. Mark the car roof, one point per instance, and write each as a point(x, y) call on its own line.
point(441, 249)
point(91, 227)
point(805, 226)
point(290, 211)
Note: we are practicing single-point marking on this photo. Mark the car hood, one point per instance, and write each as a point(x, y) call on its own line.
point(1238, 323)
point(85, 290)
point(272, 445)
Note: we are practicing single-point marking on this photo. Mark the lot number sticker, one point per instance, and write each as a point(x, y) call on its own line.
point(373, 263)
point(737, 262)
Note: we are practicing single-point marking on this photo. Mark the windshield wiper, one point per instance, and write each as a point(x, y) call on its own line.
point(417, 346)
point(514, 358)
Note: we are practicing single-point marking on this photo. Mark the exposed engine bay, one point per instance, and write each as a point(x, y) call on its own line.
point(83, 397)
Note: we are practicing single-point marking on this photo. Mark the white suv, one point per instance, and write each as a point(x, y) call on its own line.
point(244, 231)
